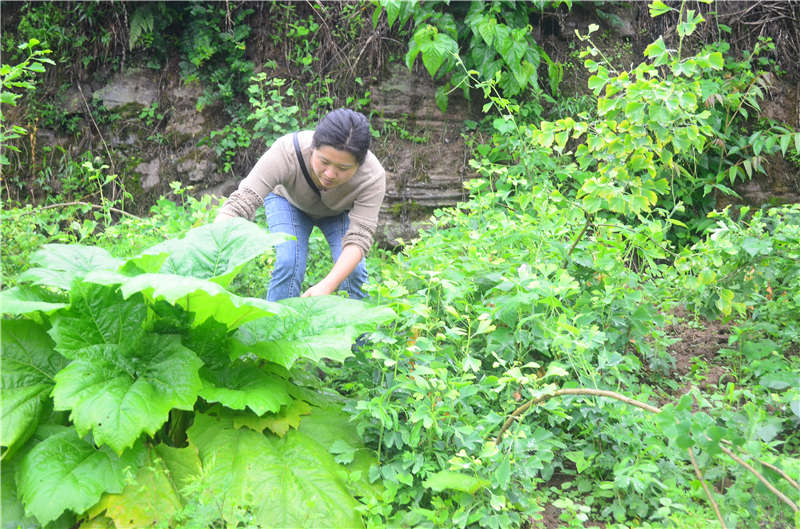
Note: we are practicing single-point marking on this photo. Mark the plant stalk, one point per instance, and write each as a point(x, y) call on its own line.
point(706, 489)
point(647, 407)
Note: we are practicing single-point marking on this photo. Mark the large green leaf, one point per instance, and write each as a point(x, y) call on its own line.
point(288, 482)
point(97, 315)
point(25, 299)
point(216, 251)
point(12, 512)
point(65, 472)
point(58, 265)
point(244, 384)
point(202, 297)
point(119, 391)
point(29, 364)
point(317, 327)
point(330, 426)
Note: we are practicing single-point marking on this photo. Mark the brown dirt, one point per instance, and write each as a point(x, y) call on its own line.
point(696, 351)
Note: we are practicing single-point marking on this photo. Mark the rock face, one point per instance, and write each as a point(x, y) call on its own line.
point(421, 149)
point(781, 183)
point(133, 87)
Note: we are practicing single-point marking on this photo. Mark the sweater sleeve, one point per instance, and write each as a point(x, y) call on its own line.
point(272, 169)
point(364, 215)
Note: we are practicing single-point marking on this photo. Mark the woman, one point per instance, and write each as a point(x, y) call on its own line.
point(326, 178)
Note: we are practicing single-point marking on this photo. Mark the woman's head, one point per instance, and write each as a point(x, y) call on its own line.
point(340, 144)
point(344, 130)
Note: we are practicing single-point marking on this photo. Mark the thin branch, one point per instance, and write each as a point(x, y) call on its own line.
point(572, 391)
point(577, 240)
point(647, 407)
point(89, 111)
point(77, 203)
point(761, 478)
point(706, 489)
point(777, 470)
point(783, 474)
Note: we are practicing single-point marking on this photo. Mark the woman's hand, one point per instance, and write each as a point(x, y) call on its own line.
point(351, 255)
point(222, 217)
point(320, 289)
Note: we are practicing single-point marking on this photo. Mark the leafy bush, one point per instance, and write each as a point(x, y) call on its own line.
point(493, 38)
point(213, 45)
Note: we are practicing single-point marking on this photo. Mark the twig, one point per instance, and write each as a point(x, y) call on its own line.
point(783, 474)
point(761, 478)
point(572, 391)
point(777, 470)
point(647, 407)
point(706, 489)
point(89, 111)
point(577, 240)
point(78, 203)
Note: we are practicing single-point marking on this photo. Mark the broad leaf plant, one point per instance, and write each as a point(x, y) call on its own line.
point(141, 391)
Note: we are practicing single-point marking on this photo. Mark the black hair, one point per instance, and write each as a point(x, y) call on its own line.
point(344, 130)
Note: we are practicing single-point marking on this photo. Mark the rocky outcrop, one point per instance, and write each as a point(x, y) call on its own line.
point(421, 148)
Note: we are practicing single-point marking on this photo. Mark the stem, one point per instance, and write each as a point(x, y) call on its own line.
point(89, 111)
point(647, 407)
point(761, 478)
point(78, 203)
point(706, 489)
point(577, 240)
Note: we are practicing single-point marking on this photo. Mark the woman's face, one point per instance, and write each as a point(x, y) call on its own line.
point(332, 166)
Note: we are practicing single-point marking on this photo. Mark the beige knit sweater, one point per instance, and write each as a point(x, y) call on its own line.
point(277, 171)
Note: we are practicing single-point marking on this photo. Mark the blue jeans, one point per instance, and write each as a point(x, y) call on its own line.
point(290, 256)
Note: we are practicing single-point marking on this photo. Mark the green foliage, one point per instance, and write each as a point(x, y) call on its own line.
point(213, 44)
point(272, 117)
point(149, 23)
point(14, 78)
point(666, 136)
point(130, 345)
point(66, 28)
point(491, 38)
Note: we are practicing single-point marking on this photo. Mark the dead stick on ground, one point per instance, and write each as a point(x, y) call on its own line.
point(706, 489)
point(763, 480)
point(77, 203)
point(618, 396)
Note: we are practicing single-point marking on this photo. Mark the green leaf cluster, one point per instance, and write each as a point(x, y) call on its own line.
point(492, 39)
point(108, 360)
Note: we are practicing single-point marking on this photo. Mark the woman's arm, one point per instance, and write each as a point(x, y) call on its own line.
point(348, 260)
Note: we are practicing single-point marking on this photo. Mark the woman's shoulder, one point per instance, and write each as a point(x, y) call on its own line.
point(372, 167)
